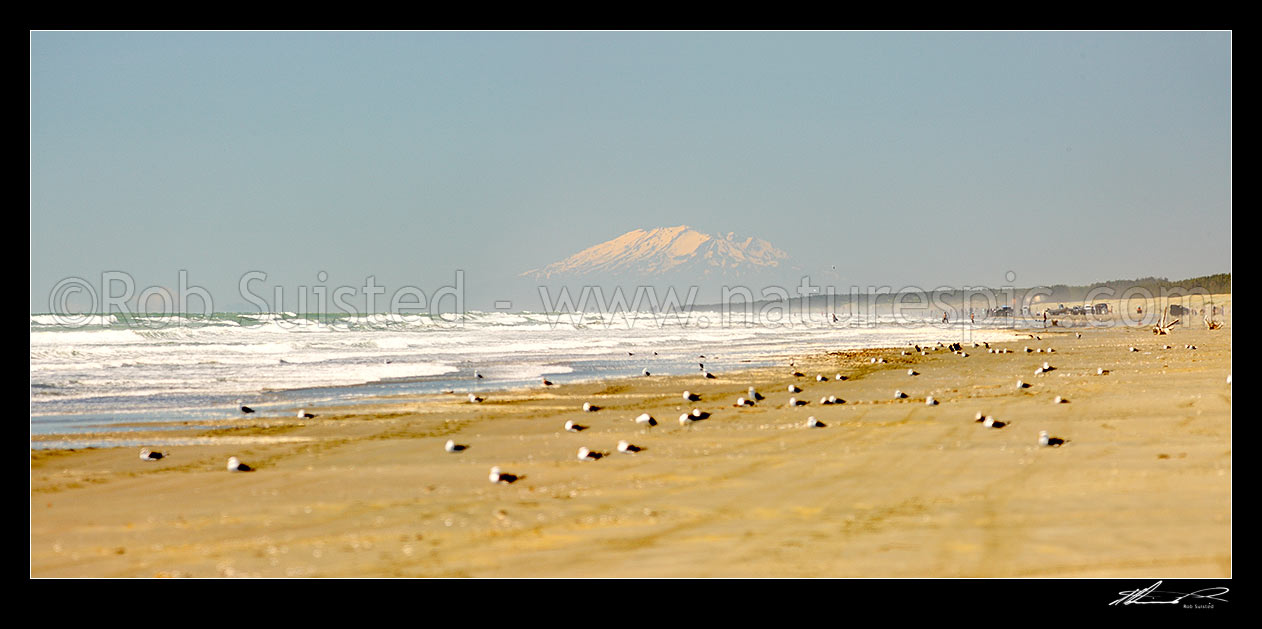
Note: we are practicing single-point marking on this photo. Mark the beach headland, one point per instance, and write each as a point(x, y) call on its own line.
point(886, 488)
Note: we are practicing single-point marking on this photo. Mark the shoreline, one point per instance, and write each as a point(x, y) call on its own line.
point(887, 488)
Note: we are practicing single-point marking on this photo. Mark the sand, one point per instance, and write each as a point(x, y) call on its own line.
point(888, 488)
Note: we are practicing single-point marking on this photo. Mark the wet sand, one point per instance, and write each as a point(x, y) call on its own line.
point(888, 488)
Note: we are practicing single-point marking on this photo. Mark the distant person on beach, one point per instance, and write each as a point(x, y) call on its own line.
point(1044, 318)
point(972, 318)
point(944, 316)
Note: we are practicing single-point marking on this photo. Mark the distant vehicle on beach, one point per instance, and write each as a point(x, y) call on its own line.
point(1082, 311)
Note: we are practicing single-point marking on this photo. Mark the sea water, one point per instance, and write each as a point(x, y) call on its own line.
point(107, 373)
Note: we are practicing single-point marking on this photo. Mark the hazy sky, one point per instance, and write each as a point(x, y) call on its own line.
point(902, 158)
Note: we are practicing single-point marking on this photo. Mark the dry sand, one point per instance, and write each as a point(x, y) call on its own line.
point(889, 488)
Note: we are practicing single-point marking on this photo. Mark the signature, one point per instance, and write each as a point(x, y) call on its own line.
point(1151, 594)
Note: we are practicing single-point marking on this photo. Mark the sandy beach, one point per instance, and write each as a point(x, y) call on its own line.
point(886, 488)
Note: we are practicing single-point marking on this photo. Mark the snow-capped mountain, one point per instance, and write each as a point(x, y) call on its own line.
point(675, 252)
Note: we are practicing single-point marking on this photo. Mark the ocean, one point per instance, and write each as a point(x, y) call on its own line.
point(107, 373)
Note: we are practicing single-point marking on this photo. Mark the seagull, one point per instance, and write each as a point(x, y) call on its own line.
point(709, 375)
point(1101, 372)
point(1060, 400)
point(646, 372)
point(1079, 334)
point(625, 446)
point(991, 422)
point(699, 414)
point(912, 372)
point(740, 401)
point(473, 399)
point(840, 377)
point(570, 426)
point(821, 378)
point(1022, 385)
point(477, 374)
point(685, 419)
point(1133, 349)
point(1028, 350)
point(796, 402)
point(929, 401)
point(547, 382)
point(149, 455)
point(500, 477)
point(754, 395)
point(589, 455)
point(691, 397)
point(646, 420)
point(811, 422)
point(797, 374)
point(244, 408)
point(898, 395)
point(1045, 440)
point(452, 446)
point(303, 414)
point(793, 388)
point(235, 465)
point(824, 400)
point(588, 407)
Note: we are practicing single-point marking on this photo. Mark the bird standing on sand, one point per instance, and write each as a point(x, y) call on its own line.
point(588, 407)
point(929, 401)
point(589, 455)
point(991, 422)
point(235, 465)
point(754, 395)
point(898, 395)
point(149, 455)
point(473, 399)
point(646, 420)
point(452, 446)
point(303, 414)
point(793, 388)
point(477, 374)
point(691, 397)
point(244, 408)
point(626, 447)
point(811, 422)
point(1049, 441)
point(498, 476)
point(547, 382)
point(570, 426)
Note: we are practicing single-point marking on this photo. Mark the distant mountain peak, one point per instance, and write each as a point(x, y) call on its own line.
point(667, 251)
